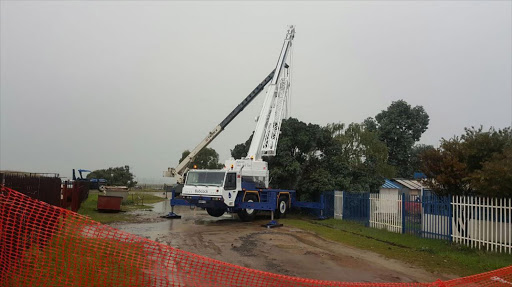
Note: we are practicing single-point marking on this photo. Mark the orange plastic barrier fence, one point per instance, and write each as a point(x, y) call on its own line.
point(44, 245)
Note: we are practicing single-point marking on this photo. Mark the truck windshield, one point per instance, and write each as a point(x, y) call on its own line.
point(206, 178)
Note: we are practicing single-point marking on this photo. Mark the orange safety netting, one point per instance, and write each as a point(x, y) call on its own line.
point(44, 245)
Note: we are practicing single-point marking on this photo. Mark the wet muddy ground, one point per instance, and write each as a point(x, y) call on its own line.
point(285, 250)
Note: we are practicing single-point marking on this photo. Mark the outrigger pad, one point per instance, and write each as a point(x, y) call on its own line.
point(171, 215)
point(272, 224)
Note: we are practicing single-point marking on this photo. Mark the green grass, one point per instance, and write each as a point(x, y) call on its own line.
point(148, 190)
point(137, 200)
point(133, 202)
point(431, 254)
point(70, 258)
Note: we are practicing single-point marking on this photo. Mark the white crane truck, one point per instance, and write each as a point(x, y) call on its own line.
point(242, 185)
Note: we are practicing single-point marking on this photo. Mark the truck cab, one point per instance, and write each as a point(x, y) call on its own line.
point(220, 191)
point(212, 188)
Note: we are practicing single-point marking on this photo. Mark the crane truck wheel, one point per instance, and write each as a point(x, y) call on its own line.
point(248, 214)
point(215, 212)
point(282, 207)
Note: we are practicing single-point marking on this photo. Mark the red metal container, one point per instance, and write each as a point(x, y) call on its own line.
point(109, 203)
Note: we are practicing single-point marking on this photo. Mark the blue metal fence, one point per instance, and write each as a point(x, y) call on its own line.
point(426, 216)
point(328, 200)
point(437, 216)
point(356, 207)
point(326, 209)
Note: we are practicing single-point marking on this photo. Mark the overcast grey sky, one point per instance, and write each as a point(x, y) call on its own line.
point(90, 84)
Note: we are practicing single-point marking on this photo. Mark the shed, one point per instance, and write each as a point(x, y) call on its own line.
point(389, 193)
point(389, 188)
point(411, 187)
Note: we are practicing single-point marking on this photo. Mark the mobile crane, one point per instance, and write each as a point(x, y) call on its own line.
point(242, 186)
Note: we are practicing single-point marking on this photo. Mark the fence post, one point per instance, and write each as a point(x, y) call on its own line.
point(322, 206)
point(368, 211)
point(342, 197)
point(403, 212)
point(450, 217)
point(343, 206)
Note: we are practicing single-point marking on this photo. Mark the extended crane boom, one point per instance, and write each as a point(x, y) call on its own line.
point(264, 141)
point(182, 168)
point(266, 134)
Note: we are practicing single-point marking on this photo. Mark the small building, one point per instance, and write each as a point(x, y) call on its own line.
point(411, 187)
point(392, 187)
point(389, 194)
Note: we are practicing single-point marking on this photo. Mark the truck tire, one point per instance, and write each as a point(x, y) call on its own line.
point(215, 212)
point(282, 207)
point(248, 214)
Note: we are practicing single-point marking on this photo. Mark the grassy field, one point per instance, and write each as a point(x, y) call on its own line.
point(431, 254)
point(70, 258)
point(134, 201)
point(142, 190)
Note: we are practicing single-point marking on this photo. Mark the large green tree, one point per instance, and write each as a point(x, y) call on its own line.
point(477, 162)
point(300, 154)
point(208, 158)
point(300, 150)
point(400, 126)
point(446, 169)
point(481, 145)
point(240, 150)
point(312, 159)
point(363, 156)
point(415, 158)
point(495, 176)
point(115, 176)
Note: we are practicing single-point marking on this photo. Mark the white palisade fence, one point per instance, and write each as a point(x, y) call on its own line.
point(482, 222)
point(478, 222)
point(386, 211)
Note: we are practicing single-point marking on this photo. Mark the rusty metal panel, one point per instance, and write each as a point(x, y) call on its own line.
point(80, 194)
point(42, 186)
point(109, 203)
point(74, 193)
point(67, 194)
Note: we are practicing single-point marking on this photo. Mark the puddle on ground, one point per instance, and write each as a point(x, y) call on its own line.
point(149, 224)
point(162, 207)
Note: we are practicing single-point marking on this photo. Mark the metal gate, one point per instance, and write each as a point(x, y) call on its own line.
point(436, 216)
point(411, 214)
point(356, 207)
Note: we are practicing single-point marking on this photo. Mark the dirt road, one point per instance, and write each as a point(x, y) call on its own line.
point(284, 250)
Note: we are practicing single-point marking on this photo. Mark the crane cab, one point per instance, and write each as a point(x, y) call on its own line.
point(212, 188)
point(223, 186)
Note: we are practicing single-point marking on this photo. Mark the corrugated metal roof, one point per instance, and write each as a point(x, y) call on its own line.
point(389, 184)
point(409, 183)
